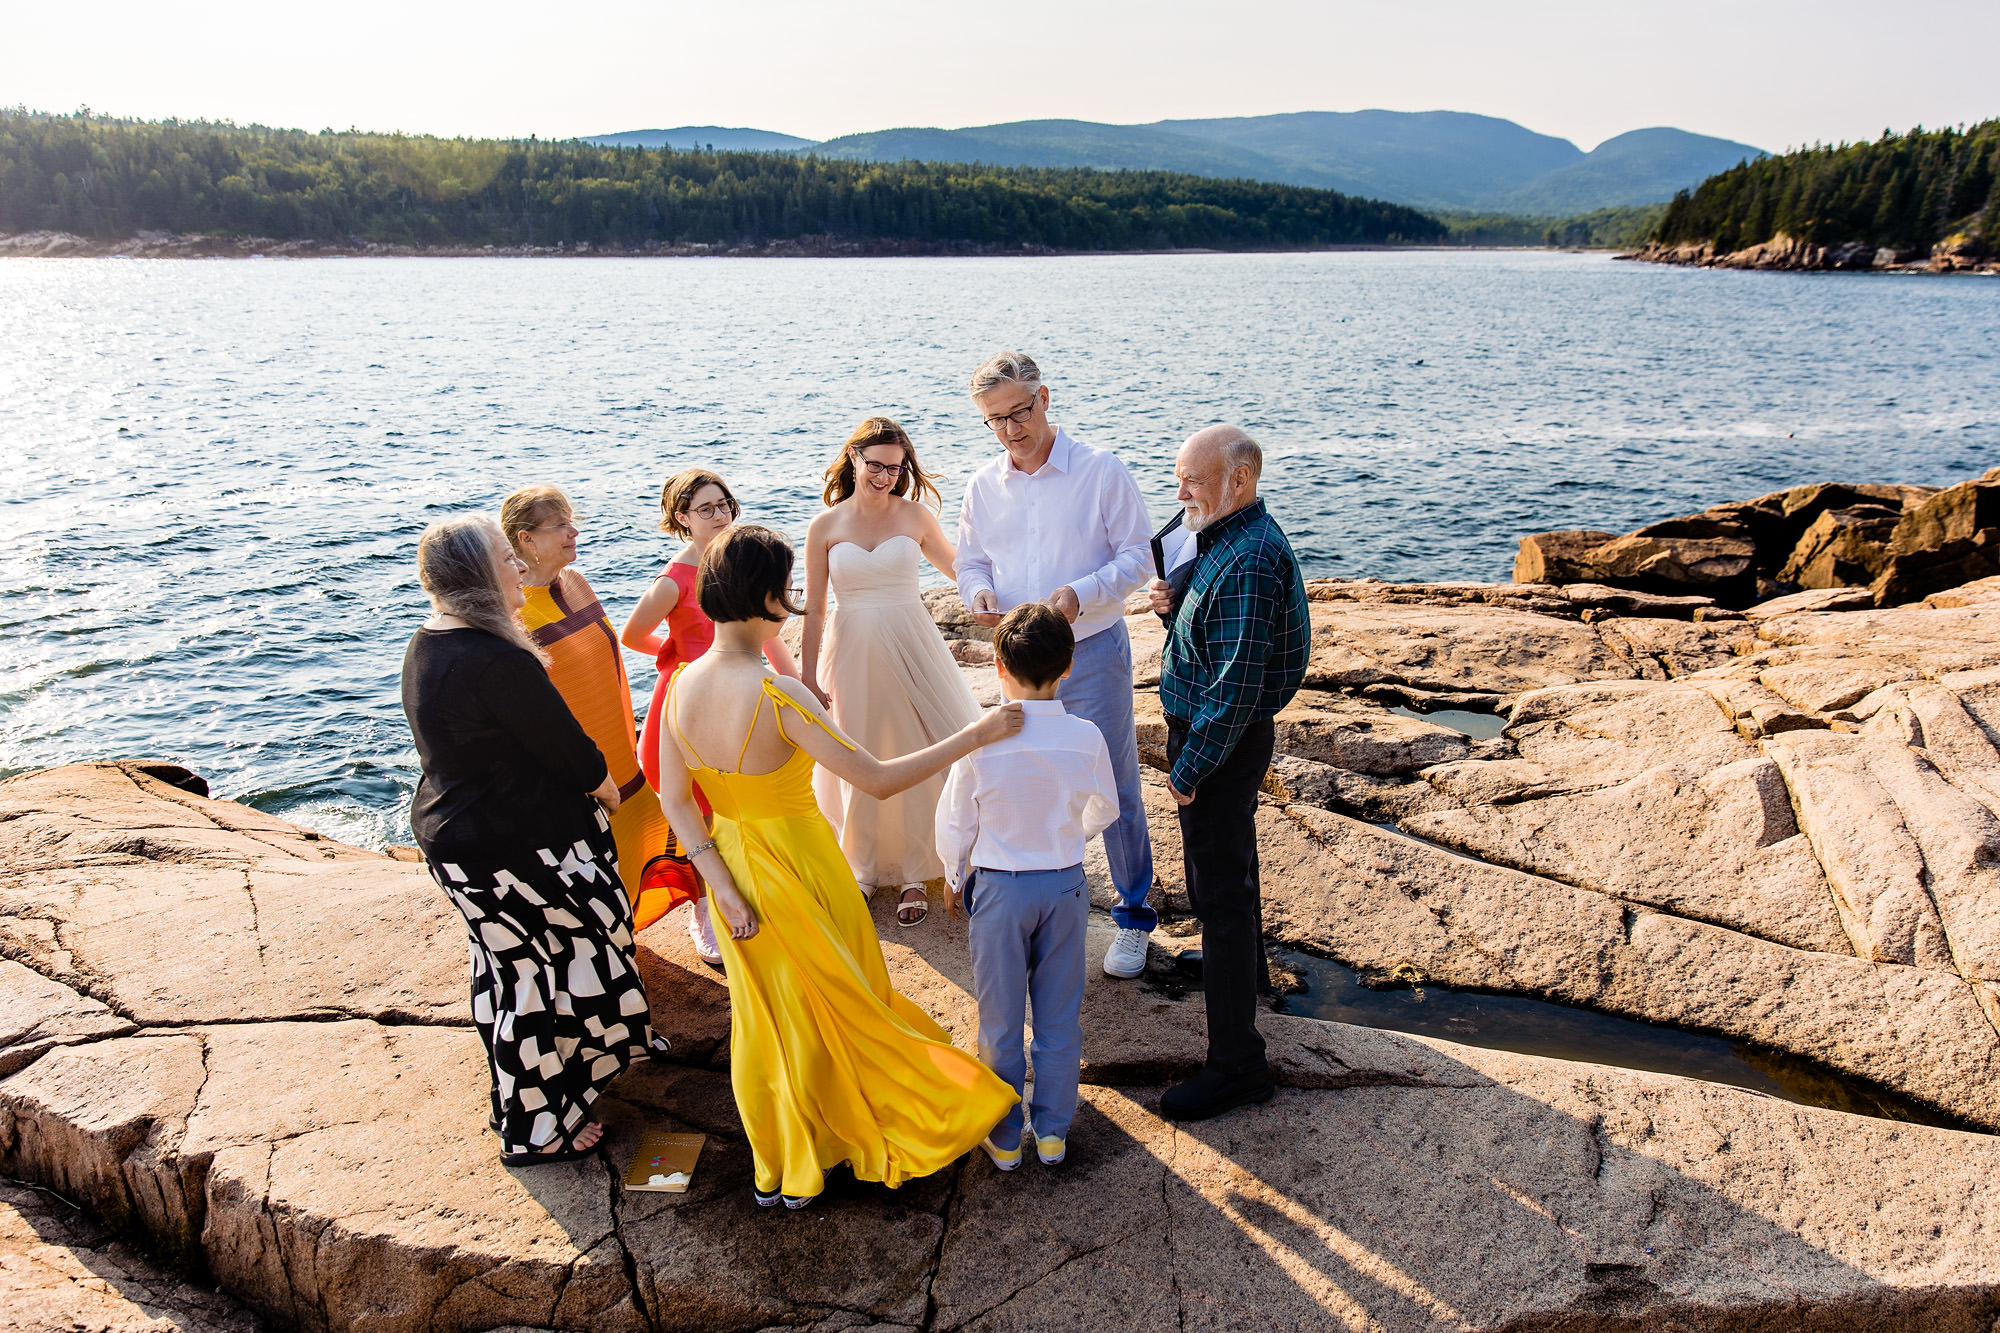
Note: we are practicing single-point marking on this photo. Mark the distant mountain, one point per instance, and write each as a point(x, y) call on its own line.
point(1426, 159)
point(1060, 143)
point(703, 136)
point(1432, 159)
point(1641, 167)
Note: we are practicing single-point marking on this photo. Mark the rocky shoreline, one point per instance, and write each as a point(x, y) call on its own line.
point(245, 1047)
point(1955, 254)
point(1890, 544)
point(167, 245)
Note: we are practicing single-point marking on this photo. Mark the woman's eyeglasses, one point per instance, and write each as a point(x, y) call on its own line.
point(707, 513)
point(876, 469)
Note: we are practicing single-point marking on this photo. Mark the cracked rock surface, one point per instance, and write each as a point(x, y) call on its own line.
point(245, 1048)
point(1783, 829)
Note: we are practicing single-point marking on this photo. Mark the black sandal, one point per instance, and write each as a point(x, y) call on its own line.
point(553, 1155)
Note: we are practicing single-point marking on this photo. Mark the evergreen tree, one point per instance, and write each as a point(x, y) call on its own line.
point(1903, 192)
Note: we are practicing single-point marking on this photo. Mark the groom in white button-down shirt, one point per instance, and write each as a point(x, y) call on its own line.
point(1054, 520)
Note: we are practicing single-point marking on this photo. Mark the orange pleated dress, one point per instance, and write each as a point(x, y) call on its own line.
point(587, 667)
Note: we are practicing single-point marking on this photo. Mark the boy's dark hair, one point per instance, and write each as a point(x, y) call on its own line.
point(741, 572)
point(1034, 643)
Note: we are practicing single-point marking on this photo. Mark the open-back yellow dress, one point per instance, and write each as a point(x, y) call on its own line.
point(828, 1062)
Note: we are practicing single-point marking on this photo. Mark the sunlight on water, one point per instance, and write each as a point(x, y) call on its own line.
point(217, 471)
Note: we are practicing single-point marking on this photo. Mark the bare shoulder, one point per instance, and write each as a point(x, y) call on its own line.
point(918, 515)
point(796, 694)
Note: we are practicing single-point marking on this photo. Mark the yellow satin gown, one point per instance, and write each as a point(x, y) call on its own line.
point(828, 1062)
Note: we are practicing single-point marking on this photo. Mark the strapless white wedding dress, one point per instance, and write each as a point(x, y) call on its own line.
point(895, 690)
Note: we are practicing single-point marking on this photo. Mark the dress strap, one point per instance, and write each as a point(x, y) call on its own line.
point(751, 730)
point(780, 701)
point(672, 682)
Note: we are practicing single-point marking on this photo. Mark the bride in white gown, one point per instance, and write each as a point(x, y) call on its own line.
point(881, 666)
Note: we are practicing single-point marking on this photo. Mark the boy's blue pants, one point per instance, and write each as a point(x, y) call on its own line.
point(1027, 930)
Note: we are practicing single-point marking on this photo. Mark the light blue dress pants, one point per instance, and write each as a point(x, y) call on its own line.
point(1027, 929)
point(1100, 688)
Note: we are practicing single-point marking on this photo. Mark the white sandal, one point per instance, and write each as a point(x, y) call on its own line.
point(921, 903)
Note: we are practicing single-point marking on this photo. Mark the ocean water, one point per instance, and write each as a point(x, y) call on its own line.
point(215, 471)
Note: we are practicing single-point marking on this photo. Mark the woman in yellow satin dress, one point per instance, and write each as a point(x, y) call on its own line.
point(828, 1062)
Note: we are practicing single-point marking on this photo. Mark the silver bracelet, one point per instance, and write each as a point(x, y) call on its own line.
point(699, 848)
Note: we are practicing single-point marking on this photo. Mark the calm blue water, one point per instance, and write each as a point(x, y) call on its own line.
point(215, 471)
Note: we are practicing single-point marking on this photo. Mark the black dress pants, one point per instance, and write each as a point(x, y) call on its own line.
point(1219, 842)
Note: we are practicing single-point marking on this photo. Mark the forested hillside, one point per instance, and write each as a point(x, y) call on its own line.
point(1902, 192)
point(109, 179)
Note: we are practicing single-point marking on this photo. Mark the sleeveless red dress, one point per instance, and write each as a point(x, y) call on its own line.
point(689, 634)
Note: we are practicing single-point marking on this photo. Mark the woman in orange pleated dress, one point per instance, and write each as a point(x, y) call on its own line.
point(565, 620)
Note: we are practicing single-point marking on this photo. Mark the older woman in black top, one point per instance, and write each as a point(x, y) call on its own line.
point(512, 818)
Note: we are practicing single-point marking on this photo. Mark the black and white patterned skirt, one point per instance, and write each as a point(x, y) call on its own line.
point(556, 995)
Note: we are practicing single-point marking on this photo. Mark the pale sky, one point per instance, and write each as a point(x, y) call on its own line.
point(1775, 75)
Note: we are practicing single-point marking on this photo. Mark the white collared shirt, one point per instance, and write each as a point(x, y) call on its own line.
point(1029, 802)
point(1077, 521)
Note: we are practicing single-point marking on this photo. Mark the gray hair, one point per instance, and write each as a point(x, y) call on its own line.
point(1235, 447)
point(455, 565)
point(1005, 368)
point(1242, 451)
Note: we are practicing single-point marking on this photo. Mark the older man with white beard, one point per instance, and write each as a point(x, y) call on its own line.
point(1236, 653)
point(1054, 520)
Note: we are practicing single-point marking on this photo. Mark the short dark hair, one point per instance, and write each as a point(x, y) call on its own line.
point(1034, 643)
point(741, 572)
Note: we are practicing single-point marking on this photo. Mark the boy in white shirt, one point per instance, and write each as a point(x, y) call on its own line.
point(1012, 823)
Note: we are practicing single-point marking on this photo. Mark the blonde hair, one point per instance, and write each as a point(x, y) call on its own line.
point(911, 483)
point(530, 507)
point(455, 565)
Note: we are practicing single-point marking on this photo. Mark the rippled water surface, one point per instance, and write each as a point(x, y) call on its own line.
point(216, 470)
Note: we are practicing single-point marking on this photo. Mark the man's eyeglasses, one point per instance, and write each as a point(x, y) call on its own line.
point(706, 513)
point(1019, 416)
point(891, 470)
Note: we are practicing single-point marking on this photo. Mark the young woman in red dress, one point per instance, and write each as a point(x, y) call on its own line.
point(669, 626)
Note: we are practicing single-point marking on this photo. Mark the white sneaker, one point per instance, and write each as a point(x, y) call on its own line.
point(1127, 955)
point(702, 931)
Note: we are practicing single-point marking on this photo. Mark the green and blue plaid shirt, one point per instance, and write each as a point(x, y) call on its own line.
point(1236, 652)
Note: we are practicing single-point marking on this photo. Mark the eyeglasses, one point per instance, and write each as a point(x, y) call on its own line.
point(876, 469)
point(1019, 416)
point(706, 513)
point(565, 526)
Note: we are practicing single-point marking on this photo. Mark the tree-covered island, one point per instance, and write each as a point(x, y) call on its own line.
point(106, 180)
point(1928, 198)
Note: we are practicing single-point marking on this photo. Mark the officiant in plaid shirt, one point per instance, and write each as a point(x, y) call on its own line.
point(1236, 653)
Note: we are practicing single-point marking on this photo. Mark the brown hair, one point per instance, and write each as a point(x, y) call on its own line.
point(1034, 643)
point(911, 483)
point(679, 493)
point(530, 507)
point(455, 565)
point(741, 572)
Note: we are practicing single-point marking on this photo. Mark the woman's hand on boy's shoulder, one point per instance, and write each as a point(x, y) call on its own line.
point(1000, 723)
